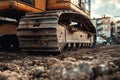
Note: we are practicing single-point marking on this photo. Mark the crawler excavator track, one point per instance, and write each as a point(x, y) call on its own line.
point(55, 31)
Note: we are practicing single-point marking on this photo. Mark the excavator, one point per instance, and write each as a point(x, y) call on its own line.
point(11, 12)
point(47, 26)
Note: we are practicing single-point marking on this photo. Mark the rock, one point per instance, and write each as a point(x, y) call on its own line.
point(97, 70)
point(85, 67)
point(55, 72)
point(19, 62)
point(85, 71)
point(117, 62)
point(9, 66)
point(107, 68)
point(84, 77)
point(45, 75)
point(98, 78)
point(42, 64)
point(28, 63)
point(103, 77)
point(41, 78)
point(46, 71)
point(52, 61)
point(71, 74)
point(112, 68)
point(46, 79)
point(37, 71)
point(9, 75)
point(68, 65)
point(70, 59)
point(90, 57)
point(36, 62)
point(68, 70)
point(116, 76)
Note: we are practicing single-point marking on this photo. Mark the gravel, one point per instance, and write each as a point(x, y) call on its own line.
point(100, 63)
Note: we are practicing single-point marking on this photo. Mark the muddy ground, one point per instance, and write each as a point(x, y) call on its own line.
point(100, 63)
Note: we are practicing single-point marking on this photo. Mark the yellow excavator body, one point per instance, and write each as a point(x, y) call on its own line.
point(47, 26)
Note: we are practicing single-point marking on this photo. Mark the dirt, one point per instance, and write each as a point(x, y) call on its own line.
point(100, 63)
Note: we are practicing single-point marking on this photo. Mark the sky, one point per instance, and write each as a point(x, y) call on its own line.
point(100, 8)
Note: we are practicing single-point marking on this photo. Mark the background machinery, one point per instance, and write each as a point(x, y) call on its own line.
point(64, 26)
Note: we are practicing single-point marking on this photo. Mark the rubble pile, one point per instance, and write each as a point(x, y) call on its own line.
point(55, 69)
point(83, 70)
point(102, 64)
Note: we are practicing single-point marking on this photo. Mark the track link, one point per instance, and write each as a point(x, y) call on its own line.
point(49, 32)
point(38, 33)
